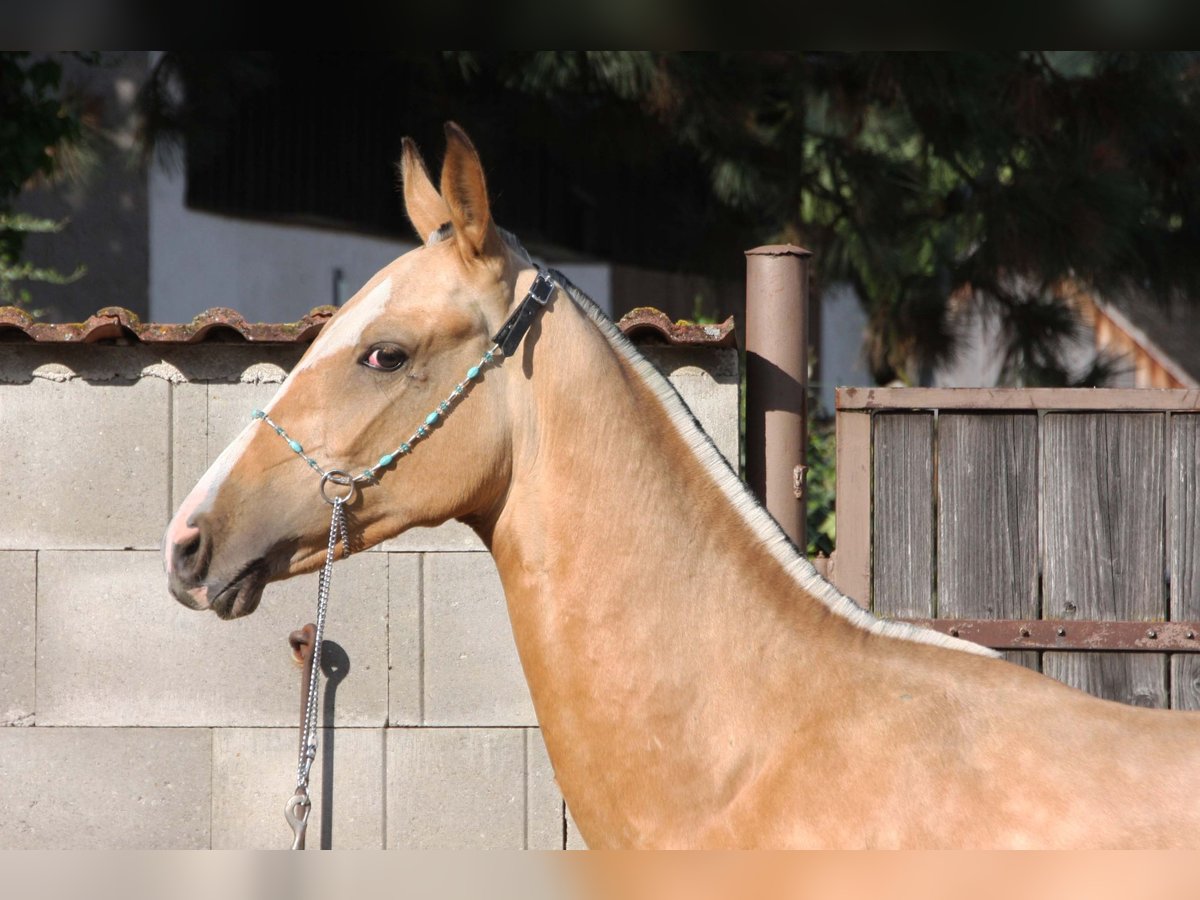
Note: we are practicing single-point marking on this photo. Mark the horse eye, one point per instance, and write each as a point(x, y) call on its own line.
point(385, 357)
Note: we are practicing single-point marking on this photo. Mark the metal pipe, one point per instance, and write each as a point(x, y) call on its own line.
point(777, 381)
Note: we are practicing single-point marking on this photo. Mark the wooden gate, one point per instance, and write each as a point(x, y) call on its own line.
point(1060, 526)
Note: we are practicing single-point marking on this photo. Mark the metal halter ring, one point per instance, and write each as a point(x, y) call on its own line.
point(337, 476)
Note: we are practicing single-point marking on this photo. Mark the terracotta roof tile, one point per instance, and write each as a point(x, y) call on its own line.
point(222, 324)
point(117, 322)
point(647, 320)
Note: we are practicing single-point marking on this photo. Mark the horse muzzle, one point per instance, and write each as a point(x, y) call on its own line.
point(193, 597)
point(188, 559)
point(239, 597)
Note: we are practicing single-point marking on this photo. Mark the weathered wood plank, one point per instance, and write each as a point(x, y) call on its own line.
point(1103, 495)
point(1183, 517)
point(902, 523)
point(1030, 659)
point(1185, 681)
point(1102, 550)
point(987, 511)
point(852, 571)
point(1183, 550)
point(1028, 399)
point(1136, 678)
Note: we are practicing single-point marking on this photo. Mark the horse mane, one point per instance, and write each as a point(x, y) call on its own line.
point(741, 498)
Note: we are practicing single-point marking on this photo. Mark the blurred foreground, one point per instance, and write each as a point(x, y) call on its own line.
point(603, 876)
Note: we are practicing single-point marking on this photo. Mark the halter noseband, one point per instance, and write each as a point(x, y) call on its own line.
point(504, 343)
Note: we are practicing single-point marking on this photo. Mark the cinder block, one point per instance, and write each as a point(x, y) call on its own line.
point(708, 382)
point(456, 788)
point(189, 439)
point(451, 537)
point(720, 365)
point(85, 465)
point(715, 407)
point(404, 639)
point(230, 363)
point(472, 673)
point(229, 408)
point(115, 649)
point(17, 598)
point(254, 775)
point(546, 828)
point(93, 363)
point(104, 788)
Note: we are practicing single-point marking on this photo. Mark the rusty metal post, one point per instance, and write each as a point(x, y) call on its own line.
point(777, 381)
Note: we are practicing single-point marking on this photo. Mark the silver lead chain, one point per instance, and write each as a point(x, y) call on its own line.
point(300, 804)
point(308, 744)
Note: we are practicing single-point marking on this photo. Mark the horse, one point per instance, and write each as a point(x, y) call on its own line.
point(697, 683)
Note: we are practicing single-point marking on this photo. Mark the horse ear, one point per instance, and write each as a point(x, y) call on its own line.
point(465, 192)
point(425, 207)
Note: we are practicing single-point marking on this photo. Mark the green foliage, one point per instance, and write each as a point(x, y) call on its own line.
point(934, 182)
point(35, 127)
point(820, 487)
point(13, 271)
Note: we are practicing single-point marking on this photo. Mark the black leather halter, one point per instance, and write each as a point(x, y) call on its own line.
point(513, 330)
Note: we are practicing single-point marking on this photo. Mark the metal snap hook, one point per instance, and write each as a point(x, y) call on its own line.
point(296, 812)
point(337, 476)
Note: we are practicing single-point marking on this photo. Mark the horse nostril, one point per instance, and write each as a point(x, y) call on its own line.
point(190, 553)
point(191, 548)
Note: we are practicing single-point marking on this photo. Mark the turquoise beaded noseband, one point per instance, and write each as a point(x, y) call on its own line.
point(370, 474)
point(504, 343)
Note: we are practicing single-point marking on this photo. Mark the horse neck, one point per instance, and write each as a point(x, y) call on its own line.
point(604, 482)
point(629, 573)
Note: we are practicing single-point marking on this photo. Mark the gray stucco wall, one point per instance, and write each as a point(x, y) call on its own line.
point(129, 721)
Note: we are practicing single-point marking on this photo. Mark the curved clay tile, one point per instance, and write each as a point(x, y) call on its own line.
point(648, 320)
point(109, 323)
point(115, 322)
point(14, 321)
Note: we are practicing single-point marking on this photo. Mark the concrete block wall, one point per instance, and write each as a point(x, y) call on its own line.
point(128, 721)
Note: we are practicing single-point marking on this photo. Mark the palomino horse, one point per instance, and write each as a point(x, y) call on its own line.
point(697, 684)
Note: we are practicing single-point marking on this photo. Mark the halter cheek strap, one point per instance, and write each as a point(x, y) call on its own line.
point(513, 330)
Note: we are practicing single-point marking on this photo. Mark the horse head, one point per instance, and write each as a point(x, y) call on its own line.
point(383, 365)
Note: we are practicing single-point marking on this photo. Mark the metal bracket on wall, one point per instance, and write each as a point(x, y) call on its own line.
point(1067, 634)
point(799, 481)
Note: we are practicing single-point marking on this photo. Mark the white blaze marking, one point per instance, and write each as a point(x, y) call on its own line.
point(206, 488)
point(346, 330)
